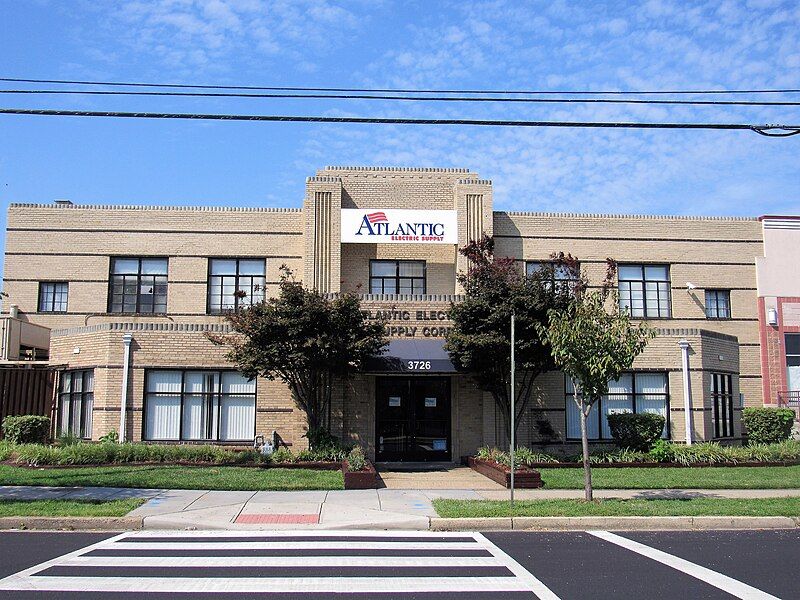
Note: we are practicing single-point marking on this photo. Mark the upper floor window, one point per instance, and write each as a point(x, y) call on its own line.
point(234, 283)
point(397, 277)
point(53, 296)
point(718, 304)
point(75, 403)
point(559, 275)
point(644, 290)
point(138, 285)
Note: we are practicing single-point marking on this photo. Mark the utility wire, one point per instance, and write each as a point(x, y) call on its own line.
point(397, 90)
point(767, 130)
point(411, 98)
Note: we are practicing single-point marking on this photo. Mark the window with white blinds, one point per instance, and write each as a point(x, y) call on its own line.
point(199, 405)
point(632, 392)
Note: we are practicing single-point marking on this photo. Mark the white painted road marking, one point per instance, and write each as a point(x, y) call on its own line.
point(718, 580)
point(167, 550)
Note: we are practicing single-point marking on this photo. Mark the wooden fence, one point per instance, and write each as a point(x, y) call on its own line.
point(26, 391)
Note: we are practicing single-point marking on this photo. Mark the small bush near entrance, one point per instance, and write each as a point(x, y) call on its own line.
point(356, 461)
point(637, 431)
point(768, 425)
point(26, 429)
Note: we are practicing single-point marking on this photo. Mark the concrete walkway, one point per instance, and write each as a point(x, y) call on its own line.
point(351, 509)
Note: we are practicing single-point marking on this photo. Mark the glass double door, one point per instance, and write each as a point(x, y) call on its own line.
point(412, 418)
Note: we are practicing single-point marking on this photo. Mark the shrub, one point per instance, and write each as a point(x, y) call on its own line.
point(637, 431)
point(112, 437)
point(768, 425)
point(662, 451)
point(282, 455)
point(706, 452)
point(356, 461)
point(26, 429)
point(6, 449)
point(67, 439)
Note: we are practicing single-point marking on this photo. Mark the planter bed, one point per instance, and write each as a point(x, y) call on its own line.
point(318, 466)
point(525, 478)
point(674, 465)
point(367, 479)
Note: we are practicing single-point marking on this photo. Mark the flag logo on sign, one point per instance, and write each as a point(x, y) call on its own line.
point(377, 217)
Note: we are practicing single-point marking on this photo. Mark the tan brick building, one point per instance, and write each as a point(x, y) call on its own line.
point(156, 279)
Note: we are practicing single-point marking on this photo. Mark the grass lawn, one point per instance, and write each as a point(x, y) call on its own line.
point(68, 508)
point(676, 477)
point(761, 507)
point(176, 477)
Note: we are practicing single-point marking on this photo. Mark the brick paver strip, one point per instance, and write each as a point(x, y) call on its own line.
point(254, 519)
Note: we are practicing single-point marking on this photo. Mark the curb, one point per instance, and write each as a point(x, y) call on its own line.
point(71, 523)
point(704, 523)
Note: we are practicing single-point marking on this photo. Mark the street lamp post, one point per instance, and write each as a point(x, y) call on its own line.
point(513, 407)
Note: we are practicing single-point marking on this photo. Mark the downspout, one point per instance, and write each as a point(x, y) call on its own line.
point(687, 390)
point(126, 340)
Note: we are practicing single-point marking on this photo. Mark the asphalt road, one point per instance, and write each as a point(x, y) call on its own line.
point(386, 565)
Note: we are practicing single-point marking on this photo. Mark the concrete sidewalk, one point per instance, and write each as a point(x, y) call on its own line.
point(351, 509)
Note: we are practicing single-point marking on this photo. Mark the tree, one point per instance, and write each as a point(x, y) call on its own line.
point(307, 340)
point(479, 341)
point(593, 344)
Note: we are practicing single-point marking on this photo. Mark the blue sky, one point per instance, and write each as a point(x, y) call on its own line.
point(657, 44)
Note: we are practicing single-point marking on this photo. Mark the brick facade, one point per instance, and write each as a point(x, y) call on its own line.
point(75, 244)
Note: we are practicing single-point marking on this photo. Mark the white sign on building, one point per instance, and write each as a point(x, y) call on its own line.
point(399, 226)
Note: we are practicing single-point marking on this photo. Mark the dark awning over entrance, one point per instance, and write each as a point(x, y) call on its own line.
point(417, 356)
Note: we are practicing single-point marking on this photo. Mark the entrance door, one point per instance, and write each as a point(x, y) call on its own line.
point(412, 418)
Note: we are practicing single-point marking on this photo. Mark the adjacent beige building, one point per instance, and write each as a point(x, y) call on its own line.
point(151, 281)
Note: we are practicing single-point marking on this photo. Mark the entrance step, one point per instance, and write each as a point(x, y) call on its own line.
point(415, 467)
point(432, 476)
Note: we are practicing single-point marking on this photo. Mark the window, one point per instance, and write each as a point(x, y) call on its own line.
point(644, 290)
point(76, 398)
point(793, 361)
point(560, 273)
point(234, 283)
point(632, 392)
point(718, 304)
point(722, 404)
point(199, 405)
point(397, 277)
point(53, 296)
point(138, 285)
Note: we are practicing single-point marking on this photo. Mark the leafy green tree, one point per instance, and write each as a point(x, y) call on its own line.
point(307, 340)
point(479, 341)
point(593, 342)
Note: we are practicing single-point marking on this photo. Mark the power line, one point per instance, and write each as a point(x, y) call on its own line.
point(411, 98)
point(767, 130)
point(398, 90)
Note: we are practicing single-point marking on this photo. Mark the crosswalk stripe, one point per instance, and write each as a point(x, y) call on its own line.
point(734, 587)
point(251, 585)
point(345, 562)
point(281, 561)
point(539, 588)
point(234, 546)
point(283, 533)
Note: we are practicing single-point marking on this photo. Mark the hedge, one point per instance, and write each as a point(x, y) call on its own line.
point(768, 425)
point(26, 429)
point(637, 431)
